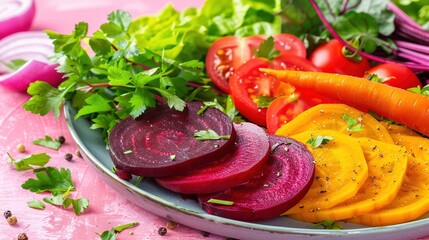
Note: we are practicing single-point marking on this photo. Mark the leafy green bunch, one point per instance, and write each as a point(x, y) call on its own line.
point(118, 80)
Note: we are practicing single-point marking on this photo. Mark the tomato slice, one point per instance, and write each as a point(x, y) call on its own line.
point(284, 108)
point(247, 84)
point(228, 53)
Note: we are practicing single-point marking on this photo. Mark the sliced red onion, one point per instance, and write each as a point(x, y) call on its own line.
point(35, 48)
point(16, 16)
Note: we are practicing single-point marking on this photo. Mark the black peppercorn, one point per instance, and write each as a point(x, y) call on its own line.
point(7, 214)
point(205, 234)
point(162, 231)
point(61, 139)
point(68, 156)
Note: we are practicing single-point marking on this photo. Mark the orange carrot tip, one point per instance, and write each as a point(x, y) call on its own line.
point(399, 105)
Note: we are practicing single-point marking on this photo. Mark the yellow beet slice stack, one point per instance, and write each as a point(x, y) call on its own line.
point(412, 200)
point(387, 164)
point(330, 116)
point(340, 171)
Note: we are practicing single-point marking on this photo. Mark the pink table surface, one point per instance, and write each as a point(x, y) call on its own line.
point(107, 208)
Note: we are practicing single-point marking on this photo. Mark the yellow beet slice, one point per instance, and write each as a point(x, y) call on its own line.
point(330, 116)
point(387, 164)
point(411, 202)
point(395, 129)
point(340, 170)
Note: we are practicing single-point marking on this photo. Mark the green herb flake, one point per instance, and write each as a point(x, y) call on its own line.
point(264, 101)
point(128, 152)
point(36, 204)
point(79, 205)
point(328, 224)
point(112, 233)
point(267, 49)
point(172, 157)
point(220, 202)
point(209, 134)
point(50, 179)
point(353, 124)
point(138, 180)
point(48, 142)
point(27, 163)
point(319, 140)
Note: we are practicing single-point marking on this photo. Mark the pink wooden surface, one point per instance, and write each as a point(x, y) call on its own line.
point(107, 208)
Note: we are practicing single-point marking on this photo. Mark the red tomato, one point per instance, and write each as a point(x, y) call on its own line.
point(227, 54)
point(396, 75)
point(285, 108)
point(329, 58)
point(248, 83)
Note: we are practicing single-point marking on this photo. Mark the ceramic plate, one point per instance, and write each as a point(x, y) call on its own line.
point(175, 207)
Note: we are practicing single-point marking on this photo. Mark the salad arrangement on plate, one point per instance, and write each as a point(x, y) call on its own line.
point(186, 97)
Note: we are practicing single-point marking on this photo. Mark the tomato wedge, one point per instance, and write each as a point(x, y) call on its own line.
point(248, 84)
point(228, 53)
point(285, 108)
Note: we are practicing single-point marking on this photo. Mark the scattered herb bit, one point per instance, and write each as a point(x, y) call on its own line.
point(162, 231)
point(267, 49)
point(12, 220)
point(220, 202)
point(209, 135)
point(138, 180)
point(36, 204)
point(276, 145)
point(7, 214)
point(27, 163)
point(172, 157)
point(50, 179)
point(328, 224)
point(20, 148)
point(420, 90)
point(58, 199)
point(48, 142)
point(78, 154)
point(319, 140)
point(122, 227)
point(353, 124)
point(128, 152)
point(68, 156)
point(264, 101)
point(113, 232)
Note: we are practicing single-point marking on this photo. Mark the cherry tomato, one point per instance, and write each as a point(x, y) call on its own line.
point(227, 54)
point(284, 108)
point(393, 74)
point(329, 57)
point(247, 84)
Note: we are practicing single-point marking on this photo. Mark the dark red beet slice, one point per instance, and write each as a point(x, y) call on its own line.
point(286, 178)
point(161, 142)
point(245, 161)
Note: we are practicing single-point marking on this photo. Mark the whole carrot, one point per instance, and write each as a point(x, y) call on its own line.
point(397, 104)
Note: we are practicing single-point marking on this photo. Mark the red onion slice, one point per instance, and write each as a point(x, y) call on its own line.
point(16, 16)
point(35, 47)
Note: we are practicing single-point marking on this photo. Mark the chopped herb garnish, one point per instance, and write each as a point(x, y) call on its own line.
point(264, 101)
point(138, 180)
point(50, 179)
point(353, 124)
point(172, 157)
point(36, 204)
point(420, 90)
point(209, 135)
point(220, 202)
point(48, 142)
point(328, 224)
point(276, 145)
point(114, 231)
point(267, 49)
point(318, 140)
point(128, 152)
point(28, 162)
point(61, 199)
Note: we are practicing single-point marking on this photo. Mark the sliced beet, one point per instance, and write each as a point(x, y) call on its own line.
point(161, 142)
point(245, 161)
point(286, 178)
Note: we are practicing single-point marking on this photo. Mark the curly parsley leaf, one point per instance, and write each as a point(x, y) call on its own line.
point(48, 142)
point(50, 179)
point(29, 162)
point(36, 204)
point(266, 49)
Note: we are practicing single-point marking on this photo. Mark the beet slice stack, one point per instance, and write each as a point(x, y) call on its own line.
point(161, 142)
point(246, 160)
point(286, 178)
